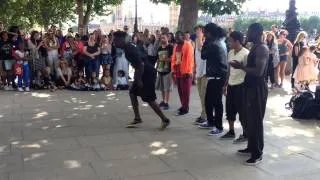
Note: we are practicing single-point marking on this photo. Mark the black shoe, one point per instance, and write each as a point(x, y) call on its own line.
point(162, 104)
point(229, 135)
point(181, 113)
point(164, 124)
point(253, 161)
point(244, 152)
point(199, 121)
point(134, 123)
point(165, 106)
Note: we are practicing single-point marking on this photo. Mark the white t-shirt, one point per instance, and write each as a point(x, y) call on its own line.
point(67, 71)
point(122, 81)
point(237, 75)
point(201, 64)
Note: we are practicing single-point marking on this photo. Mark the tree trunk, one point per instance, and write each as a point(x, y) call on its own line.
point(88, 13)
point(188, 15)
point(80, 12)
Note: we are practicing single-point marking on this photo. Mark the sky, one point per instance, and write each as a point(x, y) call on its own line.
point(160, 14)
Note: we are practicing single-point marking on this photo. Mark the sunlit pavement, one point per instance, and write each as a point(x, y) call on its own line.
point(81, 136)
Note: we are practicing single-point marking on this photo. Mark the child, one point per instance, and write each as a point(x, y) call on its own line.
point(80, 83)
point(122, 82)
point(39, 81)
point(22, 68)
point(94, 83)
point(306, 70)
point(48, 78)
point(106, 58)
point(106, 80)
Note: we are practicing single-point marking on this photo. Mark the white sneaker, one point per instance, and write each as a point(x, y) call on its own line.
point(11, 88)
point(20, 89)
point(27, 89)
point(6, 88)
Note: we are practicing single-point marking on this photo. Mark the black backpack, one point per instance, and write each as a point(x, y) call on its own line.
point(303, 106)
point(317, 96)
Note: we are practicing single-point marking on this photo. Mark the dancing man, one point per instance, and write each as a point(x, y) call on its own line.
point(144, 80)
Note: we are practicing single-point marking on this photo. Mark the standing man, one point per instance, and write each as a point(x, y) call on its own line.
point(233, 88)
point(200, 73)
point(144, 78)
point(214, 51)
point(182, 64)
point(164, 80)
point(255, 93)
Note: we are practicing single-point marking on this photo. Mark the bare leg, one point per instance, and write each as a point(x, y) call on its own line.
point(167, 97)
point(157, 110)
point(135, 106)
point(283, 71)
point(163, 96)
point(231, 125)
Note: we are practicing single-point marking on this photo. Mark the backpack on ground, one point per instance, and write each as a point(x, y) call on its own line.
point(303, 106)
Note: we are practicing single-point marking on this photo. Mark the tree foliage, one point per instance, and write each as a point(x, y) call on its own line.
point(308, 24)
point(242, 25)
point(213, 7)
point(87, 8)
point(311, 23)
point(27, 13)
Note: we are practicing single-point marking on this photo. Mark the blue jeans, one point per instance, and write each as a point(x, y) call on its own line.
point(91, 65)
point(25, 77)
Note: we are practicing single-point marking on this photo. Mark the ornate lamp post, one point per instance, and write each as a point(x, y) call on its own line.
point(136, 18)
point(291, 23)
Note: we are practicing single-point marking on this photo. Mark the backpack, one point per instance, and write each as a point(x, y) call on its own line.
point(303, 106)
point(317, 95)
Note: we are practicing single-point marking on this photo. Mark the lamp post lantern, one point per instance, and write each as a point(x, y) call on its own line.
point(291, 23)
point(136, 18)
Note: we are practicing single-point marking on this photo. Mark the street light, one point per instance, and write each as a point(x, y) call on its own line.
point(136, 18)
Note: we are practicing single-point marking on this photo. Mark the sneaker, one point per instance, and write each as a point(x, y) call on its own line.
point(162, 104)
point(166, 106)
point(27, 89)
point(164, 124)
point(215, 132)
point(240, 139)
point(229, 135)
point(199, 121)
point(205, 125)
point(20, 89)
point(181, 112)
point(6, 88)
point(244, 152)
point(253, 161)
point(134, 123)
point(10, 88)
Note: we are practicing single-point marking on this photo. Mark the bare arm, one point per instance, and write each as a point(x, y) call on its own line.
point(262, 55)
point(290, 46)
point(85, 52)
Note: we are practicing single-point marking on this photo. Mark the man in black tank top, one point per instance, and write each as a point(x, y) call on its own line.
point(255, 93)
point(144, 80)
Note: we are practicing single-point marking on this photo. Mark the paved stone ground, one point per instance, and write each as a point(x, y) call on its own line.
point(81, 136)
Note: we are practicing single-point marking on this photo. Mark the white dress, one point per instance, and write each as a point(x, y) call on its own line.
point(120, 64)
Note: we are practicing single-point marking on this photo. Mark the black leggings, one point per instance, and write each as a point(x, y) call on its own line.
point(294, 66)
point(270, 73)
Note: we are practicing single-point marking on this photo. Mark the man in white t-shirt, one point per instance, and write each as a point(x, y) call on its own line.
point(233, 88)
point(200, 73)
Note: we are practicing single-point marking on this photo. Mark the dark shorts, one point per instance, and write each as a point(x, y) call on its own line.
point(234, 102)
point(148, 91)
point(283, 58)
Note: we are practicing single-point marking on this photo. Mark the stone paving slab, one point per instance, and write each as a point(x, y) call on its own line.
point(81, 136)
